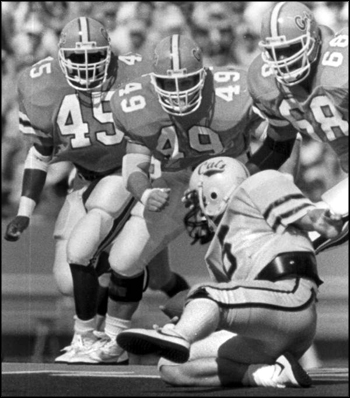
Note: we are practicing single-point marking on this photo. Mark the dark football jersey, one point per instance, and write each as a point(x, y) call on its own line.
point(323, 113)
point(221, 125)
point(78, 126)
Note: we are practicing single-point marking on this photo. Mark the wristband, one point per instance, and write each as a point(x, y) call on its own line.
point(145, 196)
point(26, 207)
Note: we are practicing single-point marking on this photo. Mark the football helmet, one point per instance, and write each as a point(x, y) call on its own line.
point(84, 53)
point(290, 41)
point(178, 75)
point(215, 180)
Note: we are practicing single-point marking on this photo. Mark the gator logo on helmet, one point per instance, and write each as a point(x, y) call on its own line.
point(105, 34)
point(301, 21)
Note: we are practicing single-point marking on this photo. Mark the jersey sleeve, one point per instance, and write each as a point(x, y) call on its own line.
point(29, 114)
point(265, 95)
point(277, 198)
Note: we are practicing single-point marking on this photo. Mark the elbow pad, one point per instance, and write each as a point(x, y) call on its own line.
point(272, 154)
point(35, 160)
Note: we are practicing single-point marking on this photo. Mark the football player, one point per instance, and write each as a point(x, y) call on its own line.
point(181, 114)
point(65, 112)
point(300, 84)
point(258, 316)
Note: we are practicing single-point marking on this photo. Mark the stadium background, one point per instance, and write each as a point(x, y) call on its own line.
point(36, 320)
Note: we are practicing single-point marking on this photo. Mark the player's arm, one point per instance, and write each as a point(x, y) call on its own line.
point(323, 221)
point(136, 171)
point(275, 150)
point(34, 176)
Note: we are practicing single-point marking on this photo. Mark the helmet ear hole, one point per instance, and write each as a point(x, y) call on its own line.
point(214, 195)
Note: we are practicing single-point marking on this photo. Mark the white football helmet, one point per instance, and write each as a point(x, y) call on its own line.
point(178, 75)
point(84, 53)
point(290, 41)
point(215, 180)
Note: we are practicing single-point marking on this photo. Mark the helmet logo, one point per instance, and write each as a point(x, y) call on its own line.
point(211, 167)
point(301, 21)
point(105, 34)
point(155, 58)
point(196, 52)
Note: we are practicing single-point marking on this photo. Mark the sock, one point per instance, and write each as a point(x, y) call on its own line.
point(102, 301)
point(259, 375)
point(85, 282)
point(115, 325)
point(100, 322)
point(81, 326)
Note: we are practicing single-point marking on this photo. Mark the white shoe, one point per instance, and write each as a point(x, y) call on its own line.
point(289, 373)
point(164, 341)
point(79, 342)
point(104, 350)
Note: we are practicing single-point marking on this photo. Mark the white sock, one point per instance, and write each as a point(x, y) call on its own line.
point(115, 325)
point(99, 323)
point(81, 326)
point(259, 375)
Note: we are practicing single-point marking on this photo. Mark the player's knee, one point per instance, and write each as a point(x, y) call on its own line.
point(126, 289)
point(172, 374)
point(124, 265)
point(64, 282)
point(101, 214)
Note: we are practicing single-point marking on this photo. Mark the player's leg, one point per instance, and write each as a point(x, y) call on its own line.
point(211, 369)
point(275, 322)
point(161, 277)
point(90, 296)
point(139, 241)
point(106, 203)
point(72, 211)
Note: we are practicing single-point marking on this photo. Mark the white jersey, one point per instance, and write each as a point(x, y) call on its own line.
point(257, 226)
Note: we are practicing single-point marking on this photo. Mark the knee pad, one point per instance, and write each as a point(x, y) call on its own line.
point(124, 289)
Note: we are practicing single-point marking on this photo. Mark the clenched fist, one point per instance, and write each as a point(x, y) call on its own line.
point(16, 227)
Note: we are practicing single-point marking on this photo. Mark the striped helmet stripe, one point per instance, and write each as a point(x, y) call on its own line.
point(175, 54)
point(274, 19)
point(83, 30)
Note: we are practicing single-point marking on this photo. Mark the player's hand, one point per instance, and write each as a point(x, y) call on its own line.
point(325, 222)
point(16, 227)
point(190, 198)
point(158, 199)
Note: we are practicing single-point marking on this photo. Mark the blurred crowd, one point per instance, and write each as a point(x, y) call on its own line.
point(227, 32)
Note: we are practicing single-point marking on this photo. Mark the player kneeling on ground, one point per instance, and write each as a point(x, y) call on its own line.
point(258, 316)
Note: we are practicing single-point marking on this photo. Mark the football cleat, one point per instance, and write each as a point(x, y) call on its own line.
point(104, 350)
point(289, 373)
point(80, 342)
point(164, 342)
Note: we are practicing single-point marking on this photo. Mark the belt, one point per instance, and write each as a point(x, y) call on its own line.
point(289, 264)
